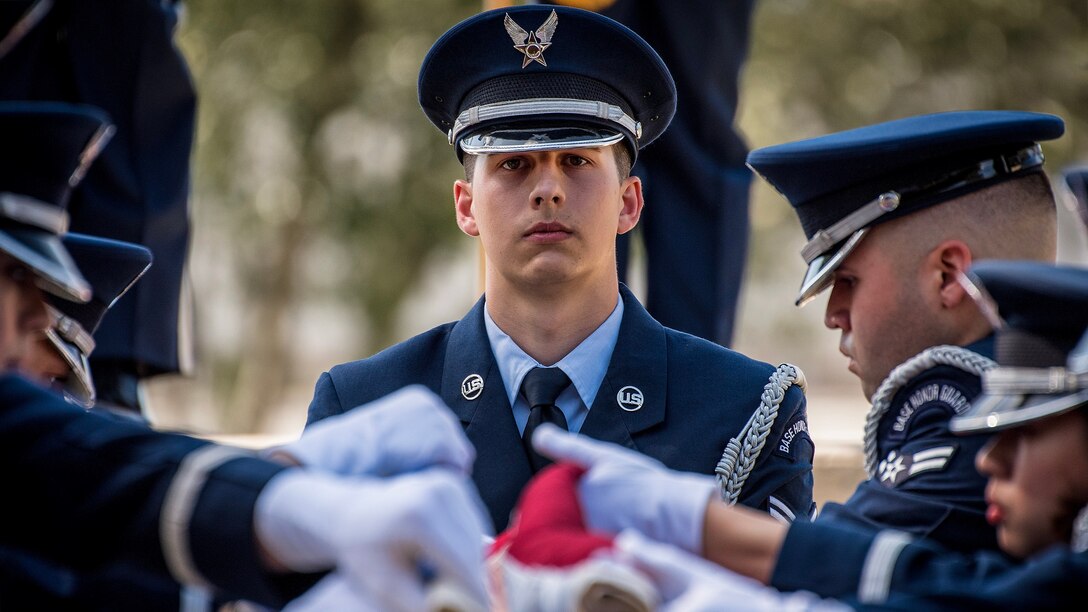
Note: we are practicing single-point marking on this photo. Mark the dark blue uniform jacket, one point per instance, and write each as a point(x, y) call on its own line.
point(84, 507)
point(697, 395)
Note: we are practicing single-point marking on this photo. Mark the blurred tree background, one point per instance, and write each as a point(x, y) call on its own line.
point(321, 195)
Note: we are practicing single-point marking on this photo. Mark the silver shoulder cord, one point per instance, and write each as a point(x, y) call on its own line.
point(741, 453)
point(946, 354)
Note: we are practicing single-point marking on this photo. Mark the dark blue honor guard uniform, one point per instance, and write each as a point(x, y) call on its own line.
point(94, 491)
point(534, 78)
point(1042, 371)
point(922, 478)
point(696, 396)
point(119, 56)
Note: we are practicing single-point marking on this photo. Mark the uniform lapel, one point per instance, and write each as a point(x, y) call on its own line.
point(639, 366)
point(501, 467)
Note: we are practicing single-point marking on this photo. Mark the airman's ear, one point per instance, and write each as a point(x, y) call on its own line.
point(462, 203)
point(631, 210)
point(952, 258)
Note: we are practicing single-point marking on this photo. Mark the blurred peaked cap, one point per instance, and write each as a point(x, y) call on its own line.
point(1044, 307)
point(1045, 312)
point(843, 183)
point(112, 267)
point(48, 149)
point(539, 77)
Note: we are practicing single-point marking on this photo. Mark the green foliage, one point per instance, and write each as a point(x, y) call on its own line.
point(310, 131)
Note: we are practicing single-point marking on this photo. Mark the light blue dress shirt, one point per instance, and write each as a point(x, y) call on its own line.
point(586, 366)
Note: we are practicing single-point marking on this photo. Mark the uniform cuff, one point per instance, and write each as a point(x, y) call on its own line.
point(821, 558)
point(222, 545)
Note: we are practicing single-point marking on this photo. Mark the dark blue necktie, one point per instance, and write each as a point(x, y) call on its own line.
point(541, 387)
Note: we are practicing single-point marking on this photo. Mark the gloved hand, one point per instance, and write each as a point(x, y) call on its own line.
point(623, 489)
point(377, 534)
point(405, 431)
point(688, 583)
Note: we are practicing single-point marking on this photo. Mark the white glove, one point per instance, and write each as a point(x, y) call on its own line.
point(378, 534)
point(405, 431)
point(623, 489)
point(688, 583)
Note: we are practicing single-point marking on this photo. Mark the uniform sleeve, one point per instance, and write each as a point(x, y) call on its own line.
point(925, 481)
point(92, 490)
point(917, 453)
point(326, 401)
point(781, 483)
point(888, 569)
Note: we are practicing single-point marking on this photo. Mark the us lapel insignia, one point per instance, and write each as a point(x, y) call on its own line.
point(629, 398)
point(532, 44)
point(472, 386)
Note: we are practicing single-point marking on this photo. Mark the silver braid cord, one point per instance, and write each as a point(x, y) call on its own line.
point(740, 455)
point(946, 354)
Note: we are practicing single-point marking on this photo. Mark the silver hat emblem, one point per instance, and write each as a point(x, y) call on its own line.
point(532, 44)
point(472, 386)
point(629, 398)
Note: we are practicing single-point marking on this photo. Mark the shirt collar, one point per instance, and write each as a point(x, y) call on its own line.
point(586, 365)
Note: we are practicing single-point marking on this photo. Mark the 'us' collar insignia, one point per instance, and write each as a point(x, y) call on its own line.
point(532, 44)
point(472, 386)
point(630, 398)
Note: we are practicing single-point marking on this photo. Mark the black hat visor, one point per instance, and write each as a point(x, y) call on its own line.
point(44, 253)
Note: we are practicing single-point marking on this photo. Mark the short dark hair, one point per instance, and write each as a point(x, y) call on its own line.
point(619, 150)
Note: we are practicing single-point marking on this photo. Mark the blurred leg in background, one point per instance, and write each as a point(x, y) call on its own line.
point(695, 224)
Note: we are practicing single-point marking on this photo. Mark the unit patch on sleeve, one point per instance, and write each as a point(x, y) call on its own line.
point(795, 440)
point(943, 396)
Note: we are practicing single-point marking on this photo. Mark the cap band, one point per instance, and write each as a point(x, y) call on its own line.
point(1019, 161)
point(543, 106)
point(29, 211)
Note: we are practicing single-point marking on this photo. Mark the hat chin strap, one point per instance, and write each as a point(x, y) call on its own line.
point(824, 239)
point(543, 106)
point(1014, 163)
point(33, 212)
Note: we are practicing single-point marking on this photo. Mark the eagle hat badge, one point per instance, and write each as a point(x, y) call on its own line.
point(595, 84)
point(532, 45)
